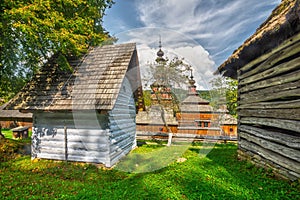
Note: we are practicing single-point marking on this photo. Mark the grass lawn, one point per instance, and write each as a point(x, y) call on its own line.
point(9, 134)
point(219, 175)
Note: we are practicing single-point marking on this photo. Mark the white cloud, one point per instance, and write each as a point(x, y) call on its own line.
point(174, 44)
point(204, 32)
point(217, 24)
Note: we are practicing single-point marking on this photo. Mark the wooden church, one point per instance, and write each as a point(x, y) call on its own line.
point(88, 113)
point(193, 118)
point(267, 67)
point(199, 119)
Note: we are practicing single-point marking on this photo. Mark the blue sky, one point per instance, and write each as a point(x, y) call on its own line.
point(204, 32)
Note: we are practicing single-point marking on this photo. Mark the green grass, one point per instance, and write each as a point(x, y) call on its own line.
point(219, 175)
point(9, 134)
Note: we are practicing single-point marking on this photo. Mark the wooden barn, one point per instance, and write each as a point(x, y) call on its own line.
point(267, 67)
point(87, 113)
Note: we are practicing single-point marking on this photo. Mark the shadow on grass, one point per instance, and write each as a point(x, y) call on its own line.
point(217, 176)
point(156, 158)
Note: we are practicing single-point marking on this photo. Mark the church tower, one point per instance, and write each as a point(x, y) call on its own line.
point(160, 89)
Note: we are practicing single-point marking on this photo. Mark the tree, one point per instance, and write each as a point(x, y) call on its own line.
point(232, 96)
point(224, 91)
point(1, 135)
point(32, 31)
point(167, 75)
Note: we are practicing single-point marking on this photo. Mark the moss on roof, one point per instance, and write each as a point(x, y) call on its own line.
point(283, 23)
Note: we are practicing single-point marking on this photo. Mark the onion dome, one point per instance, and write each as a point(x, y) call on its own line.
point(191, 80)
point(160, 53)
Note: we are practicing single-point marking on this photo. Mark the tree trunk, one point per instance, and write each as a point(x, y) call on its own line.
point(1, 135)
point(170, 134)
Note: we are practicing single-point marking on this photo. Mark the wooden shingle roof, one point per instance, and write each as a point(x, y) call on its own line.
point(94, 83)
point(11, 115)
point(194, 103)
point(282, 24)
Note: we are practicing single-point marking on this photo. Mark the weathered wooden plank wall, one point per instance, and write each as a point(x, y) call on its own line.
point(122, 124)
point(269, 110)
point(87, 144)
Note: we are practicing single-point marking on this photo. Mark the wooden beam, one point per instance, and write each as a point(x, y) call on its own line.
point(291, 114)
point(66, 143)
point(275, 136)
point(272, 156)
point(269, 105)
point(286, 78)
point(259, 161)
point(285, 44)
point(272, 60)
point(275, 147)
point(268, 70)
point(269, 94)
point(272, 122)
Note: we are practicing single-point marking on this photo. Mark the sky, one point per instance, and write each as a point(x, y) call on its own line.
point(203, 32)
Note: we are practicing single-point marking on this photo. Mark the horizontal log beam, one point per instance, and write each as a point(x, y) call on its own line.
point(290, 114)
point(271, 105)
point(278, 148)
point(262, 58)
point(275, 81)
point(275, 136)
point(271, 61)
point(272, 156)
point(259, 161)
point(268, 72)
point(277, 123)
point(269, 95)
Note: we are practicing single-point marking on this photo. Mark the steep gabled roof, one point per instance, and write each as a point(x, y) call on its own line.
point(94, 84)
point(283, 23)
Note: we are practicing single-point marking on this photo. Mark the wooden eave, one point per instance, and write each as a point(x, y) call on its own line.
point(10, 115)
point(282, 24)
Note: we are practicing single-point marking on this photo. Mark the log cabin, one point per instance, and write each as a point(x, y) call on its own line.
point(13, 118)
point(267, 66)
point(86, 113)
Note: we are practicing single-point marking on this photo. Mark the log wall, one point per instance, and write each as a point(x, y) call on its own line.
point(122, 124)
point(269, 110)
point(58, 136)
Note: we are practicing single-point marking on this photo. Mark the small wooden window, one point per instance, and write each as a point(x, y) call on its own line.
point(205, 124)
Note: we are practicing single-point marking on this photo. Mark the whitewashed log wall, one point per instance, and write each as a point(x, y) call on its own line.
point(87, 136)
point(269, 110)
point(87, 144)
point(122, 124)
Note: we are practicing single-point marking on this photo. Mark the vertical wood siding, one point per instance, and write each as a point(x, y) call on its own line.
point(269, 110)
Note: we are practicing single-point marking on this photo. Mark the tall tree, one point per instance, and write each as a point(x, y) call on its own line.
point(33, 30)
point(168, 75)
